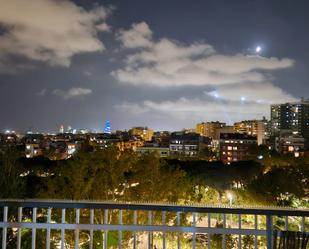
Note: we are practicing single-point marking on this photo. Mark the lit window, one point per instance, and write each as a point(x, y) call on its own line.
point(290, 148)
point(229, 147)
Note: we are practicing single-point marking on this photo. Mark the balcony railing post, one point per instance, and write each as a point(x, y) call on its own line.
point(269, 231)
point(194, 235)
point(134, 223)
point(20, 215)
point(120, 232)
point(62, 230)
point(91, 231)
point(239, 227)
point(224, 237)
point(164, 223)
point(48, 229)
point(208, 235)
point(256, 228)
point(149, 233)
point(4, 229)
point(105, 232)
point(303, 224)
point(76, 244)
point(34, 214)
point(178, 235)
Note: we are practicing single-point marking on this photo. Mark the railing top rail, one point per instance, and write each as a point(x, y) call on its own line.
point(170, 207)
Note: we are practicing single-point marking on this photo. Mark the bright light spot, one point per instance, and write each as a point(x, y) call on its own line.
point(242, 98)
point(214, 94)
point(258, 49)
point(260, 157)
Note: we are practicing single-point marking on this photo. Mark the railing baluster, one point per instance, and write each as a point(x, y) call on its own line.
point(91, 231)
point(164, 223)
point(149, 233)
point(239, 227)
point(303, 223)
point(269, 231)
point(62, 229)
point(48, 229)
point(209, 225)
point(4, 229)
point(106, 231)
point(34, 214)
point(286, 223)
point(178, 235)
point(194, 235)
point(135, 223)
point(76, 244)
point(223, 237)
point(120, 232)
point(20, 217)
point(256, 228)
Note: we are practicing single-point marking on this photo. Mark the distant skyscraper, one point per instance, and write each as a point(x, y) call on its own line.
point(107, 127)
point(291, 116)
point(61, 130)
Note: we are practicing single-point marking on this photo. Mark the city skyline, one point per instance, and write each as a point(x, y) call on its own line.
point(130, 63)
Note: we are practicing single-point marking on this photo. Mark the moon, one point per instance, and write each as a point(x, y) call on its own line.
point(258, 49)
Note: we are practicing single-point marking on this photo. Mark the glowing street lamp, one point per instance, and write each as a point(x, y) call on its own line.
point(230, 198)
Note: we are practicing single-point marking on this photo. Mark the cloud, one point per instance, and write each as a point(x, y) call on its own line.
point(42, 92)
point(72, 92)
point(138, 36)
point(255, 92)
point(50, 31)
point(228, 104)
point(168, 63)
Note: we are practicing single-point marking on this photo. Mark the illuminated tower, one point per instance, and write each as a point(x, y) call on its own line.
point(61, 130)
point(107, 127)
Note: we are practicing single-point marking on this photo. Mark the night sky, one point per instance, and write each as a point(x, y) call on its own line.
point(162, 64)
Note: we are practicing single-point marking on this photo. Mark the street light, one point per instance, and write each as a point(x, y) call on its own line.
point(230, 197)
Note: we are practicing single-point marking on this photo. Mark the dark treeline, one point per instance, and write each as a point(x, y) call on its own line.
point(114, 175)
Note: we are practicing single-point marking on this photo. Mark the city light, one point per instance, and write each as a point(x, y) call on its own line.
point(230, 198)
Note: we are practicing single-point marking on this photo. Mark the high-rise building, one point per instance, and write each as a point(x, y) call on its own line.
point(209, 129)
point(107, 127)
point(291, 116)
point(61, 130)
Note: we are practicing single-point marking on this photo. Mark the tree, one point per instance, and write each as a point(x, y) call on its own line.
point(11, 181)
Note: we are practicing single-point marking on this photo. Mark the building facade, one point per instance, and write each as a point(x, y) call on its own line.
point(236, 147)
point(291, 116)
point(144, 133)
point(209, 129)
point(253, 128)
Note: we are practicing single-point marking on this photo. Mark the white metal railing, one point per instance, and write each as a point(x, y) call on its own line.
point(51, 215)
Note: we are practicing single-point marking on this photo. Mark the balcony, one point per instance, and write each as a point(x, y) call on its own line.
point(88, 224)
